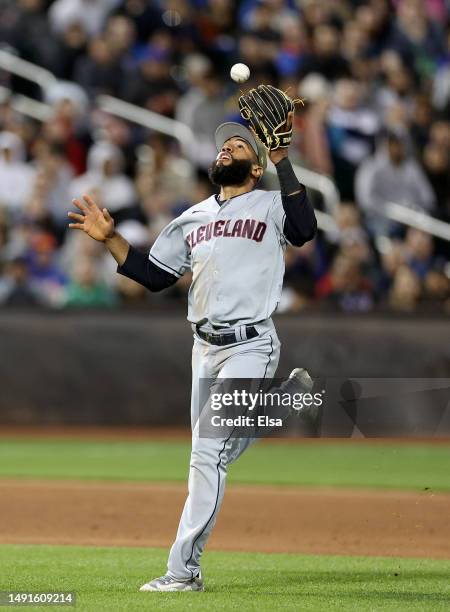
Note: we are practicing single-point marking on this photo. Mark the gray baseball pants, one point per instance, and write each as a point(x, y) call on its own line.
point(210, 457)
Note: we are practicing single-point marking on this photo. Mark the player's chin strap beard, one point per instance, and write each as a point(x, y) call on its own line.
point(235, 173)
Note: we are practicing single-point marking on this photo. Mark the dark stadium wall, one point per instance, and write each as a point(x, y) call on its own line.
point(132, 368)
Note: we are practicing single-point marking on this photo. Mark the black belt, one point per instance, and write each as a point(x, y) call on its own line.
point(239, 334)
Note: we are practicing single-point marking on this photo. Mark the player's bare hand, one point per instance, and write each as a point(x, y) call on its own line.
point(95, 222)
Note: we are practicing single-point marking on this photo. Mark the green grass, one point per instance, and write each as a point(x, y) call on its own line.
point(414, 466)
point(109, 578)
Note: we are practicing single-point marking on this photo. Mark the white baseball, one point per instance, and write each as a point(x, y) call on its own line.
point(240, 73)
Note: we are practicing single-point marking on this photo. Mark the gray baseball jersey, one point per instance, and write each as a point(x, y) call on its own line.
point(235, 250)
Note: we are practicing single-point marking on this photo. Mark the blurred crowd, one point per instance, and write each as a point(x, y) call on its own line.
point(375, 79)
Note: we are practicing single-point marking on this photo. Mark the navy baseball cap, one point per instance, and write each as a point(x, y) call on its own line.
point(230, 129)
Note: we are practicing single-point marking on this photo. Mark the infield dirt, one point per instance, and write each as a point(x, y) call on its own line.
point(253, 518)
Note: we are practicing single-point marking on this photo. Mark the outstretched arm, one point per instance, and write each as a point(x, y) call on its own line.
point(270, 113)
point(300, 224)
point(99, 225)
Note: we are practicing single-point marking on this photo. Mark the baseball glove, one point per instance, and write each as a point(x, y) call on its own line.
point(267, 110)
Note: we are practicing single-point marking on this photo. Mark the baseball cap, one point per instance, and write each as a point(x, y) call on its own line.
point(230, 129)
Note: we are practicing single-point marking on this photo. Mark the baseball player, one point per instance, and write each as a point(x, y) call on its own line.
point(234, 244)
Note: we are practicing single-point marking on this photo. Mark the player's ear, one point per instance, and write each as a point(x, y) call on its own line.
point(257, 172)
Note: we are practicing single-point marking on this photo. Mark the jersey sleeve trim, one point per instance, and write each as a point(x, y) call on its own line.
point(164, 266)
point(282, 234)
point(139, 268)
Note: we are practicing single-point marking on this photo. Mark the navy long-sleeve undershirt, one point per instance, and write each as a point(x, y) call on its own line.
point(300, 224)
point(139, 268)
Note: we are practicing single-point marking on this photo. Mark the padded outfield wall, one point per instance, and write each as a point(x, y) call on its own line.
point(134, 367)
